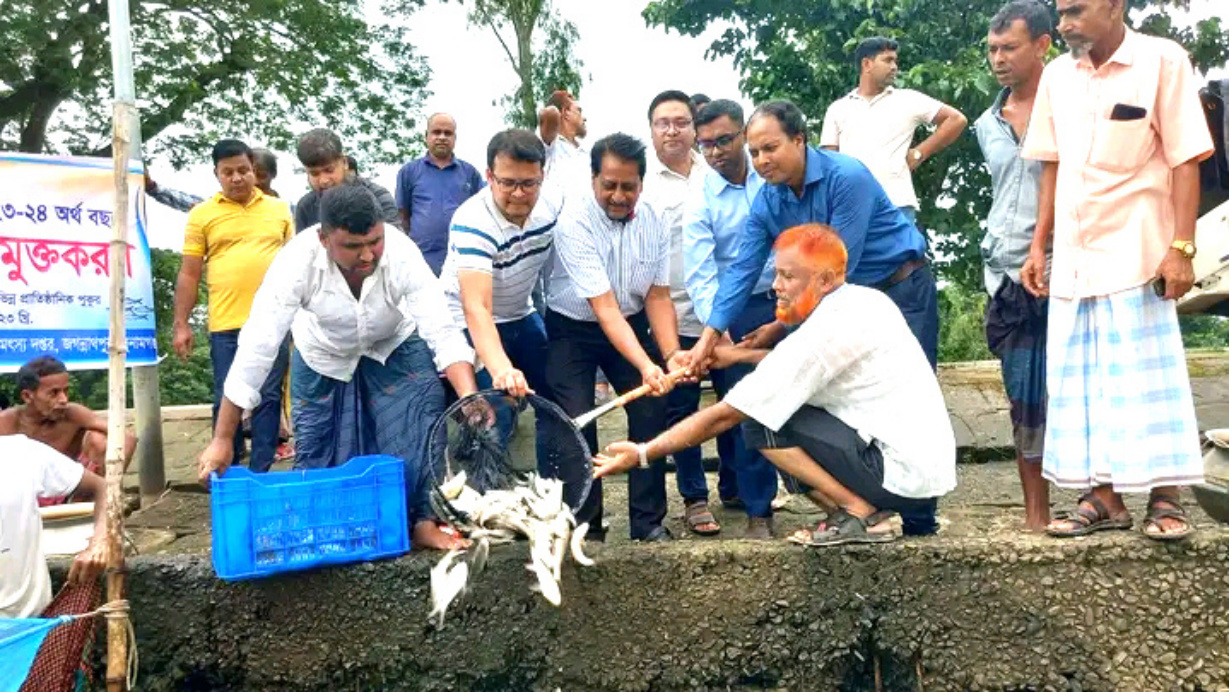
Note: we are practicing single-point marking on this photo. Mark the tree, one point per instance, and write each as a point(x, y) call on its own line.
point(553, 67)
point(265, 69)
point(803, 50)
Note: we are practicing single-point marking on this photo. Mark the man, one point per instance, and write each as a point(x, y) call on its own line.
point(431, 188)
point(30, 471)
point(609, 286)
point(370, 330)
point(264, 164)
point(561, 125)
point(1118, 127)
point(327, 165)
point(1015, 320)
point(235, 235)
point(699, 100)
point(500, 240)
point(46, 415)
point(675, 174)
point(715, 217)
point(875, 123)
point(808, 185)
point(847, 404)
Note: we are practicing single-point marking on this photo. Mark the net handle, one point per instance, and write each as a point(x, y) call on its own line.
point(622, 400)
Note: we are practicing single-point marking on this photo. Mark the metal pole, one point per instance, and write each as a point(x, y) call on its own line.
point(145, 393)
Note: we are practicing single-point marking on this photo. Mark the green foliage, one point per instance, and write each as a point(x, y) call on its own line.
point(554, 67)
point(1204, 331)
point(264, 69)
point(802, 50)
point(962, 334)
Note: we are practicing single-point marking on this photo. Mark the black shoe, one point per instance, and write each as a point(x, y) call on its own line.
point(734, 503)
point(658, 535)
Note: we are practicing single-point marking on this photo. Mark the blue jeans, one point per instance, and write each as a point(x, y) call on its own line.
point(757, 477)
point(267, 416)
point(524, 342)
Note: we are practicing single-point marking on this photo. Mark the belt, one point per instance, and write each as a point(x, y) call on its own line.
point(902, 272)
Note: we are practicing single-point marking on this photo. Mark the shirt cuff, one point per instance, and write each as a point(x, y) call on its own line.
point(241, 394)
point(456, 350)
point(1050, 155)
point(718, 321)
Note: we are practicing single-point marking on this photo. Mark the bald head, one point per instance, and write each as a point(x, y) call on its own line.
point(441, 136)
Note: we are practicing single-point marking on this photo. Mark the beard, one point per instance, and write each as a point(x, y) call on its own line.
point(800, 308)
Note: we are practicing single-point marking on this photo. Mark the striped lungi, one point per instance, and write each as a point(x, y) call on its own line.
point(1120, 408)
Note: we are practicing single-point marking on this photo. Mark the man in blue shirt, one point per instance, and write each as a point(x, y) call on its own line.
point(713, 221)
point(808, 185)
point(430, 189)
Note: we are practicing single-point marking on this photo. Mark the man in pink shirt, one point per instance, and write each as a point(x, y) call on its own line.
point(1118, 126)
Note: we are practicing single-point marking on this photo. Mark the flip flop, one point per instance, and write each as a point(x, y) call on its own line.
point(1090, 516)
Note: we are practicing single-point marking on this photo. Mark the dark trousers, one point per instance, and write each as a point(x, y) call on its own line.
point(683, 401)
point(267, 416)
point(524, 342)
point(918, 299)
point(756, 476)
point(577, 350)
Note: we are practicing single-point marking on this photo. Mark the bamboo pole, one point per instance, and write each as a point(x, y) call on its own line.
point(117, 625)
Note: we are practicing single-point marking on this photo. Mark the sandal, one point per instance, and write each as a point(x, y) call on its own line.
point(803, 536)
point(700, 520)
point(1174, 511)
point(840, 528)
point(1090, 516)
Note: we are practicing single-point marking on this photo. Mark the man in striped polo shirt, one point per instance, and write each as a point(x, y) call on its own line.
point(498, 242)
point(609, 286)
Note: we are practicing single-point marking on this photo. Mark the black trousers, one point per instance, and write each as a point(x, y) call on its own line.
point(577, 349)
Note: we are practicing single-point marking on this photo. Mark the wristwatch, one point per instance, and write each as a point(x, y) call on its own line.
point(1186, 247)
point(915, 154)
point(643, 449)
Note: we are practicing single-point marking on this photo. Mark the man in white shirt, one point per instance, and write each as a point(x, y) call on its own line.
point(371, 329)
point(609, 286)
point(847, 404)
point(675, 174)
point(30, 470)
point(875, 123)
point(561, 125)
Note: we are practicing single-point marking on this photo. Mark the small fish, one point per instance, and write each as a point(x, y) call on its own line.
point(451, 489)
point(578, 542)
point(482, 549)
point(447, 582)
point(546, 582)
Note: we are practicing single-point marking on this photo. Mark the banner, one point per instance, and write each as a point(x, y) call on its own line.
point(55, 270)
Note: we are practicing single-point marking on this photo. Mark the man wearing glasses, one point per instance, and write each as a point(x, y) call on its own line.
point(714, 218)
point(499, 241)
point(674, 174)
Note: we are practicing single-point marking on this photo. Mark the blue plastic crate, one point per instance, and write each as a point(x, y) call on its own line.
point(284, 521)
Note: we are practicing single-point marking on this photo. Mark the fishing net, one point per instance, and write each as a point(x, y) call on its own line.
point(497, 440)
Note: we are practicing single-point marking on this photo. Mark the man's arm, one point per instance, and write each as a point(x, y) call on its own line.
point(699, 256)
point(186, 288)
point(754, 246)
point(663, 321)
point(477, 289)
point(854, 189)
point(1176, 269)
point(689, 432)
point(623, 338)
point(89, 563)
point(548, 124)
point(180, 201)
point(830, 134)
point(1032, 274)
point(423, 296)
point(950, 123)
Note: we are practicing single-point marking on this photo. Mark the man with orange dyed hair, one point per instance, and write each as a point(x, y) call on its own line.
point(847, 404)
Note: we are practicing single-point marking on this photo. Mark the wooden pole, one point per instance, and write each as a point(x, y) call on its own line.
point(117, 626)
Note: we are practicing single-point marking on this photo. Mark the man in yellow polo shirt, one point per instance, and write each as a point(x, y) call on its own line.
point(235, 235)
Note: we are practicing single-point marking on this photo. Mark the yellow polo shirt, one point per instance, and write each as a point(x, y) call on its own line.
point(238, 242)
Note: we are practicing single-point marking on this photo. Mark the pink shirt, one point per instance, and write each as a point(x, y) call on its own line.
point(1114, 214)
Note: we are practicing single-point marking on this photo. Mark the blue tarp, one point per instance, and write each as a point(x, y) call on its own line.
point(19, 642)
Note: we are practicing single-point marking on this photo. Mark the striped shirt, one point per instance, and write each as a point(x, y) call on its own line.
point(480, 239)
point(595, 254)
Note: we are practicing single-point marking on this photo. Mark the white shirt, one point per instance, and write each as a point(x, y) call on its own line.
point(879, 133)
point(595, 254)
point(856, 358)
point(568, 165)
point(333, 329)
point(28, 470)
point(481, 239)
point(669, 192)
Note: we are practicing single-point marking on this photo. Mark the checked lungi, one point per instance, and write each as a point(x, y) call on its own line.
point(1120, 407)
point(1016, 333)
point(386, 408)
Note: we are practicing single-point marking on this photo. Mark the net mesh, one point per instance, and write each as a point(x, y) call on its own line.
point(497, 440)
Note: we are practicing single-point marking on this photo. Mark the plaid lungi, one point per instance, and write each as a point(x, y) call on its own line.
point(1120, 407)
point(1016, 333)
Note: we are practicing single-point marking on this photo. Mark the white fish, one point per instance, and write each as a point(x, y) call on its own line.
point(578, 542)
point(451, 489)
point(447, 582)
point(546, 582)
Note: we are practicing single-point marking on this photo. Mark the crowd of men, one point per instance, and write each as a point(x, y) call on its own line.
point(794, 276)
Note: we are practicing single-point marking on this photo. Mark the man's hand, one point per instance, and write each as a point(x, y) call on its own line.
point(183, 341)
point(426, 534)
point(90, 562)
point(763, 337)
point(657, 381)
point(1033, 273)
point(726, 355)
point(478, 413)
point(1178, 274)
point(681, 360)
point(700, 354)
point(216, 457)
point(914, 159)
point(513, 382)
point(620, 457)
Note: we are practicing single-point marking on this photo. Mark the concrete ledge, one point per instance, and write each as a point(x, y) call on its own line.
point(1115, 612)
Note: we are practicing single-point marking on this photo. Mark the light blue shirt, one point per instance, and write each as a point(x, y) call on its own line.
point(712, 224)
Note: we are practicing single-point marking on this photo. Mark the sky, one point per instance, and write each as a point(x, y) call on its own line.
point(466, 82)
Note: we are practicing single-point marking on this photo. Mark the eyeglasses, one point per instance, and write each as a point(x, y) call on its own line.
point(664, 124)
point(720, 143)
point(510, 184)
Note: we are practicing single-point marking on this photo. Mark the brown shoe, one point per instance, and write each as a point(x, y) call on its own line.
point(759, 528)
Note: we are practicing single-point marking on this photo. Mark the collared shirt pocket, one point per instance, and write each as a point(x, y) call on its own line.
point(1122, 146)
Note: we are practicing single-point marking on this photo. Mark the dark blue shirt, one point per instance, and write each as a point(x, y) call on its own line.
point(431, 194)
point(838, 191)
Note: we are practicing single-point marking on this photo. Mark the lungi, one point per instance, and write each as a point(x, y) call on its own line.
point(1120, 407)
point(1016, 334)
point(384, 409)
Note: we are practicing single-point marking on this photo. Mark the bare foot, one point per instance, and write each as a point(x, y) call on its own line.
point(427, 535)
